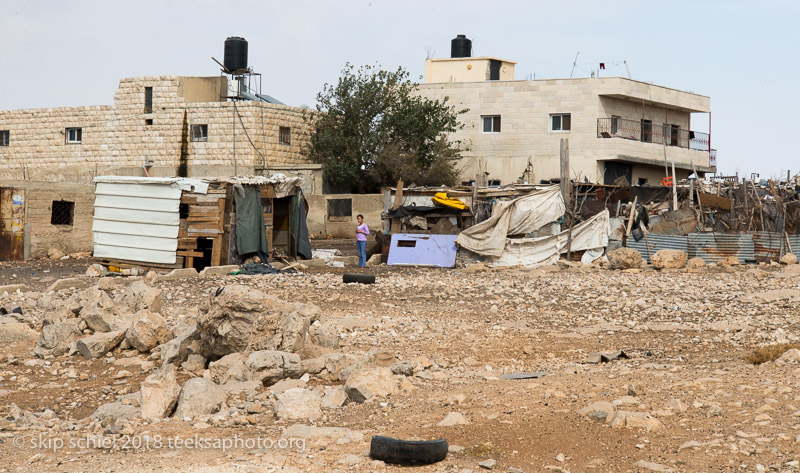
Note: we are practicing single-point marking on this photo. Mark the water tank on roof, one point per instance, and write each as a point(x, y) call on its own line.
point(461, 46)
point(235, 53)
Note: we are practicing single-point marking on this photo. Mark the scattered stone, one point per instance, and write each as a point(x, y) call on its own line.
point(633, 420)
point(728, 261)
point(789, 258)
point(270, 366)
point(175, 274)
point(99, 344)
point(654, 466)
point(334, 397)
point(160, 393)
point(67, 283)
point(452, 419)
point(599, 410)
point(696, 265)
point(200, 396)
point(488, 464)
point(141, 296)
point(147, 331)
point(370, 382)
point(350, 460)
point(11, 333)
point(790, 356)
point(176, 350)
point(194, 364)
point(96, 270)
point(12, 288)
point(669, 259)
point(214, 271)
point(298, 404)
point(690, 444)
point(323, 436)
point(624, 258)
point(116, 411)
point(55, 339)
point(285, 385)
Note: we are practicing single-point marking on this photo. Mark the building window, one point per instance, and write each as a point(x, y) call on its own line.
point(62, 212)
point(647, 131)
point(148, 121)
point(148, 100)
point(494, 182)
point(285, 135)
point(560, 122)
point(199, 132)
point(491, 123)
point(74, 135)
point(5, 136)
point(614, 124)
point(340, 210)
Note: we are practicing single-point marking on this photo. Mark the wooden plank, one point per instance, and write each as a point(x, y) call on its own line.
point(185, 199)
point(221, 224)
point(714, 201)
point(203, 209)
point(216, 251)
point(202, 218)
point(198, 254)
point(267, 191)
point(204, 233)
point(227, 217)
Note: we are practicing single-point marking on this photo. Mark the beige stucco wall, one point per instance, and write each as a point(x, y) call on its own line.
point(116, 139)
point(465, 69)
point(526, 106)
point(319, 226)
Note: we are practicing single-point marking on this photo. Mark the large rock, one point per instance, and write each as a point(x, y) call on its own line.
point(789, 258)
point(147, 331)
point(116, 411)
point(270, 366)
point(228, 368)
point(16, 332)
point(696, 265)
point(200, 396)
point(729, 261)
point(241, 318)
point(323, 436)
point(669, 259)
point(366, 383)
point(633, 420)
point(97, 345)
point(160, 393)
point(175, 274)
point(176, 351)
point(12, 288)
point(56, 338)
point(298, 404)
point(100, 313)
point(624, 258)
point(141, 296)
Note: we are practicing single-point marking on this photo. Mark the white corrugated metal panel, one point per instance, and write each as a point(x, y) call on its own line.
point(136, 221)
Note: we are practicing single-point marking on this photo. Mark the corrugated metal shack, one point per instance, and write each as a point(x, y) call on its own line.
point(164, 223)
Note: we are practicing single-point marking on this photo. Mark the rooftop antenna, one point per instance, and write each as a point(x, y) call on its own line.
point(627, 68)
point(574, 63)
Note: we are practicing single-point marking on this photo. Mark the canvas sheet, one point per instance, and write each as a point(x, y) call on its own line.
point(531, 252)
point(517, 217)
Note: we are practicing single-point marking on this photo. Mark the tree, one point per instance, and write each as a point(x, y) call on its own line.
point(373, 128)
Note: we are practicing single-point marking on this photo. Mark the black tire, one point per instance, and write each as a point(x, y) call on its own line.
point(391, 450)
point(359, 278)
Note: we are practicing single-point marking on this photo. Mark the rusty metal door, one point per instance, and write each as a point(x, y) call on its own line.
point(12, 224)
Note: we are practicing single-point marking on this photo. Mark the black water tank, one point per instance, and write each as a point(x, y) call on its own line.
point(461, 46)
point(235, 53)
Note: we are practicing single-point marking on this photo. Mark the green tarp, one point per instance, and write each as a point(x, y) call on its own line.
point(251, 236)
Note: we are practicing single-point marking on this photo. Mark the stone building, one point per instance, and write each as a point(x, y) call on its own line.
point(157, 126)
point(615, 126)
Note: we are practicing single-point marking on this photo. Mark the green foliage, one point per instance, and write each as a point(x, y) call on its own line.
point(373, 128)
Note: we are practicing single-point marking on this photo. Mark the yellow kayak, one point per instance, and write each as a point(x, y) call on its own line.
point(443, 200)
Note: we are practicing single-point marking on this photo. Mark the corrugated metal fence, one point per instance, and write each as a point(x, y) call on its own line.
point(712, 247)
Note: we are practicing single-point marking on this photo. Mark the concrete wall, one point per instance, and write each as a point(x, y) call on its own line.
point(465, 69)
point(525, 108)
point(320, 226)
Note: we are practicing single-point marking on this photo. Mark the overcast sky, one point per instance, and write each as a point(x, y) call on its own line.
point(743, 54)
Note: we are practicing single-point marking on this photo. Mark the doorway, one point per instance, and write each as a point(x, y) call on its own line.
point(12, 224)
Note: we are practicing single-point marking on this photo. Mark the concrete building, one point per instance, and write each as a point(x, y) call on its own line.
point(157, 126)
point(615, 126)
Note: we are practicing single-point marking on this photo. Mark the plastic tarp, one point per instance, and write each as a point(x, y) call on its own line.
point(531, 252)
point(251, 235)
point(520, 216)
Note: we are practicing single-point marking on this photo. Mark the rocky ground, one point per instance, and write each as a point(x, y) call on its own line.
point(297, 372)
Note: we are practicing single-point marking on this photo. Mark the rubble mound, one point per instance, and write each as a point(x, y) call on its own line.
point(241, 318)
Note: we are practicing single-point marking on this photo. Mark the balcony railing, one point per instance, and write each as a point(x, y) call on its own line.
point(670, 135)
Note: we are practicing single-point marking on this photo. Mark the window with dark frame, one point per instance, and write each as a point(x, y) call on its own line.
point(73, 135)
point(491, 123)
point(340, 210)
point(5, 137)
point(199, 132)
point(62, 212)
point(560, 122)
point(285, 135)
point(647, 131)
point(148, 100)
point(148, 121)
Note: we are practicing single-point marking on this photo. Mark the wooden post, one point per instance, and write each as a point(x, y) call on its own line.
point(565, 170)
point(674, 188)
point(630, 218)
